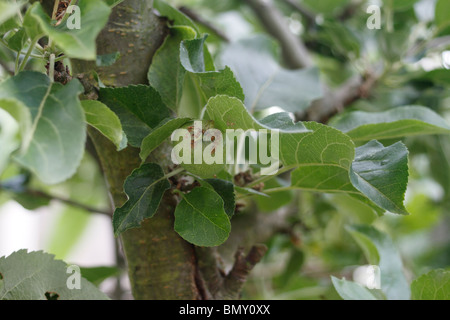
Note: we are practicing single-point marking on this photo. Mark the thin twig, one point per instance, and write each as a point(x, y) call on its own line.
point(197, 18)
point(44, 195)
point(295, 52)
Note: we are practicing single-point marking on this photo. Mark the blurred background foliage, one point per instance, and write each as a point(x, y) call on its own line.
point(409, 54)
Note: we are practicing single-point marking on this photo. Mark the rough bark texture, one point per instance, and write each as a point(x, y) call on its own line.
point(161, 265)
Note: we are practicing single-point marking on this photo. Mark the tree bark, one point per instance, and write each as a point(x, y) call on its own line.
point(161, 265)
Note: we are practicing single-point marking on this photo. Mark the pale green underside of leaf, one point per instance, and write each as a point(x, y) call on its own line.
point(145, 188)
point(349, 290)
point(76, 43)
point(54, 144)
point(394, 123)
point(265, 82)
point(381, 173)
point(323, 156)
point(104, 120)
point(434, 285)
point(28, 276)
point(200, 218)
point(380, 250)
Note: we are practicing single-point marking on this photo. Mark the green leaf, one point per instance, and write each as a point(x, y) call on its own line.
point(435, 285)
point(225, 190)
point(265, 82)
point(54, 145)
point(97, 275)
point(163, 131)
point(176, 17)
point(106, 60)
point(349, 290)
point(104, 120)
point(322, 154)
point(200, 218)
point(9, 9)
point(220, 82)
point(380, 250)
point(230, 113)
point(394, 123)
point(18, 40)
point(76, 43)
point(381, 174)
point(166, 74)
point(193, 54)
point(9, 142)
point(205, 82)
point(29, 276)
point(323, 158)
point(145, 188)
point(139, 108)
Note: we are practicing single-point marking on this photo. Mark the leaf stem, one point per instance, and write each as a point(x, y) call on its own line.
point(268, 177)
point(51, 68)
point(27, 56)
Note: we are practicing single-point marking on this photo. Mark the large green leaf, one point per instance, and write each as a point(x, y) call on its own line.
point(381, 174)
point(200, 218)
point(265, 82)
point(76, 43)
point(54, 144)
point(166, 74)
point(139, 108)
point(394, 123)
point(434, 285)
point(349, 290)
point(163, 131)
point(380, 250)
point(145, 188)
point(30, 276)
point(322, 156)
point(104, 120)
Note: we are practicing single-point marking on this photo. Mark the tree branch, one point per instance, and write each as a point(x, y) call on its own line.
point(335, 101)
point(47, 196)
point(295, 53)
point(197, 18)
point(221, 286)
